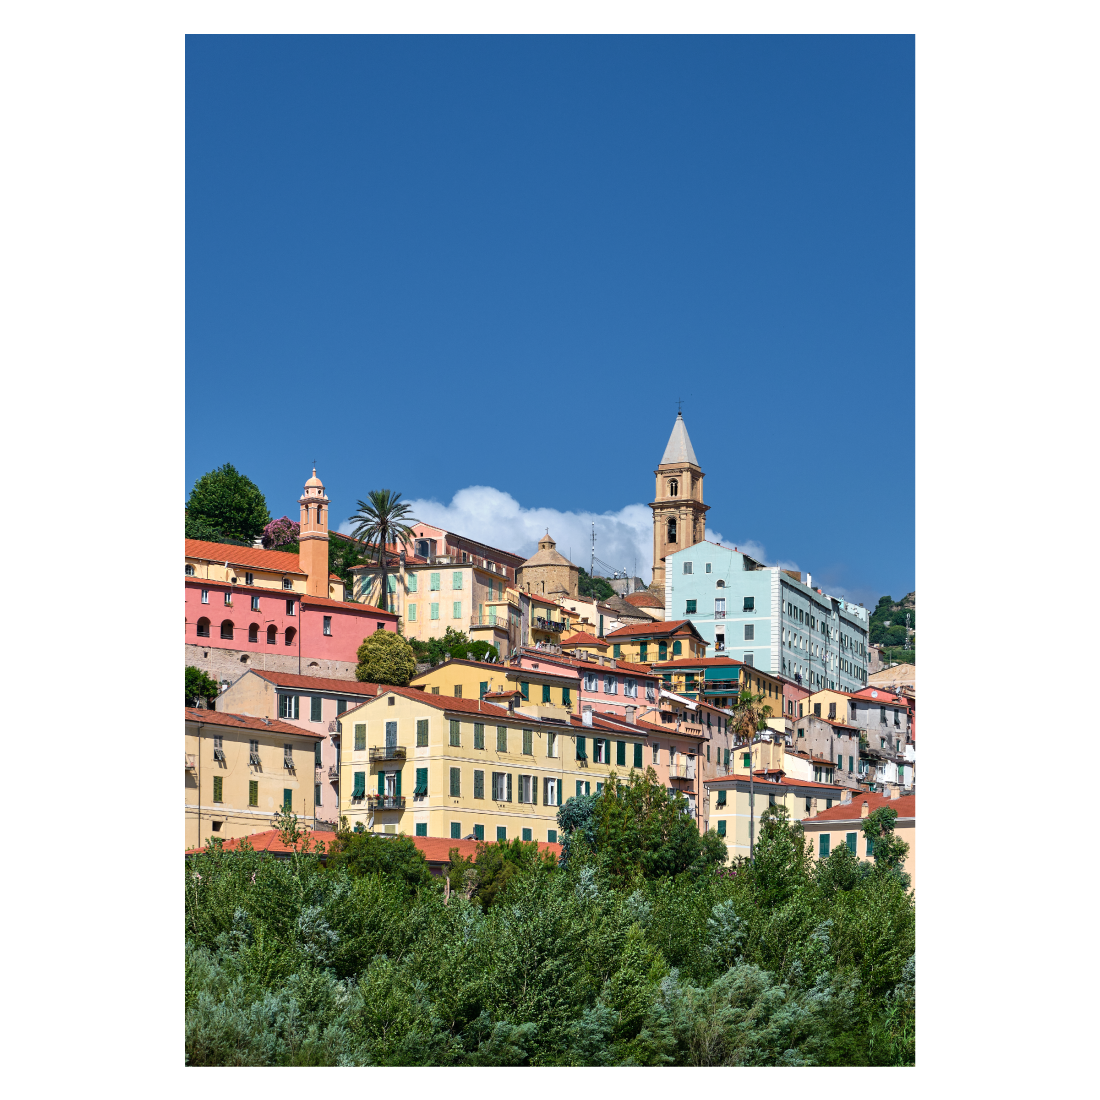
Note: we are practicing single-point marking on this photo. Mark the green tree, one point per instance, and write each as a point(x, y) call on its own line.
point(750, 717)
point(197, 685)
point(497, 863)
point(228, 502)
point(398, 858)
point(383, 523)
point(594, 586)
point(343, 554)
point(454, 642)
point(385, 658)
point(889, 851)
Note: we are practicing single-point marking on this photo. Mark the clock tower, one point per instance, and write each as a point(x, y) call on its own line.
point(679, 514)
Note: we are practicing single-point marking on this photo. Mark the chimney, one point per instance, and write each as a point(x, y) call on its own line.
point(586, 716)
point(895, 792)
point(847, 796)
point(630, 711)
point(864, 811)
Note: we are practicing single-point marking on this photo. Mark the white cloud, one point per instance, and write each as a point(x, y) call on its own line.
point(624, 539)
point(481, 512)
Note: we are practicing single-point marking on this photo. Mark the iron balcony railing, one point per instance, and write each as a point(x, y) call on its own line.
point(719, 614)
point(386, 801)
point(189, 761)
point(499, 621)
point(333, 773)
point(387, 752)
point(551, 625)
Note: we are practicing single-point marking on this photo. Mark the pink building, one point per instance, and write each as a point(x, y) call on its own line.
point(312, 703)
point(246, 607)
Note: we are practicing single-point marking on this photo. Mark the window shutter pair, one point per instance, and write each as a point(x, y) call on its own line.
point(721, 798)
point(315, 708)
point(528, 743)
point(479, 735)
point(360, 736)
point(722, 828)
point(546, 693)
point(317, 755)
point(360, 788)
point(850, 840)
point(455, 735)
point(580, 749)
point(456, 782)
point(421, 781)
point(620, 753)
point(421, 733)
point(637, 754)
point(217, 788)
point(288, 796)
point(479, 784)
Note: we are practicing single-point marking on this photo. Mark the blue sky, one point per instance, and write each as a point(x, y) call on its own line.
point(489, 266)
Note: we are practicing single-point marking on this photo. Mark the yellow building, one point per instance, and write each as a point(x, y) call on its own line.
point(240, 769)
point(733, 805)
point(439, 765)
point(647, 643)
point(827, 703)
point(547, 692)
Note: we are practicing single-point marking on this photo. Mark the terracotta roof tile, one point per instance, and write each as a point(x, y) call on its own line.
point(244, 721)
point(349, 605)
point(585, 639)
point(906, 806)
point(316, 683)
point(442, 702)
point(708, 662)
point(274, 561)
point(654, 627)
point(643, 599)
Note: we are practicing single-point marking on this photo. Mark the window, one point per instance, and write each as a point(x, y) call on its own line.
point(411, 581)
point(412, 613)
point(317, 754)
point(254, 753)
point(656, 753)
point(644, 648)
point(502, 833)
point(882, 715)
point(288, 706)
point(771, 799)
point(434, 610)
point(551, 745)
point(546, 693)
point(202, 628)
point(456, 609)
point(253, 633)
point(227, 632)
point(287, 582)
point(828, 801)
point(869, 850)
point(255, 603)
point(455, 737)
point(662, 651)
point(690, 609)
point(851, 764)
point(228, 598)
point(360, 788)
point(253, 792)
point(610, 685)
point(422, 733)
point(528, 743)
point(217, 788)
point(677, 649)
point(721, 798)
point(599, 750)
point(687, 566)
point(272, 635)
point(456, 782)
point(671, 532)
point(456, 830)
point(750, 603)
point(722, 828)
point(502, 786)
point(650, 693)
point(421, 828)
point(479, 832)
point(315, 708)
point(673, 488)
point(528, 789)
point(566, 698)
point(637, 754)
point(526, 834)
point(458, 691)
point(551, 792)
point(479, 784)
point(580, 787)
point(817, 710)
point(850, 840)
point(290, 608)
point(591, 682)
point(316, 795)
point(617, 651)
point(456, 580)
point(288, 799)
point(360, 736)
point(434, 582)
point(552, 835)
point(327, 628)
point(746, 759)
point(502, 738)
point(823, 846)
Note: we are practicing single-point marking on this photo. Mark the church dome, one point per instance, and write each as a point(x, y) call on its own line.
point(547, 555)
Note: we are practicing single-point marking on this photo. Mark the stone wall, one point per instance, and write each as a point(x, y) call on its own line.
point(228, 664)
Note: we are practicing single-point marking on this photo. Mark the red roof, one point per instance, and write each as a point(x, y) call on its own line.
point(585, 639)
point(654, 627)
point(443, 702)
point(244, 721)
point(786, 781)
point(436, 849)
point(643, 599)
point(886, 698)
point(275, 561)
point(316, 683)
point(576, 662)
point(906, 806)
point(349, 605)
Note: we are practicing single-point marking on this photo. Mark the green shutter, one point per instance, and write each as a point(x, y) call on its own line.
point(397, 785)
point(217, 788)
point(455, 733)
point(253, 792)
point(823, 846)
point(421, 828)
point(850, 840)
point(360, 736)
point(616, 651)
point(479, 832)
point(421, 781)
point(535, 790)
point(422, 733)
point(315, 708)
point(721, 798)
point(580, 749)
point(456, 782)
point(456, 830)
point(317, 755)
point(552, 835)
point(620, 753)
point(479, 735)
point(587, 787)
point(525, 690)
point(508, 788)
point(360, 789)
point(526, 834)
point(528, 743)
point(502, 833)
point(483, 689)
point(288, 796)
point(381, 782)
point(566, 698)
point(479, 784)
point(546, 693)
point(722, 828)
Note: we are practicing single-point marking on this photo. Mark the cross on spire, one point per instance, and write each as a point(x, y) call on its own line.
point(679, 406)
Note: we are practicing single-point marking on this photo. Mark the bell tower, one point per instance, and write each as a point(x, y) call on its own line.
point(679, 514)
point(313, 536)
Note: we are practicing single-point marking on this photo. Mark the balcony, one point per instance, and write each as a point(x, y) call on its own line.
point(683, 769)
point(333, 774)
point(550, 625)
point(386, 801)
point(288, 762)
point(189, 761)
point(487, 622)
point(719, 614)
point(387, 752)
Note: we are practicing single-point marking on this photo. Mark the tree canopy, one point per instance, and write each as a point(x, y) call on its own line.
point(198, 685)
point(454, 642)
point(385, 658)
point(228, 503)
point(593, 586)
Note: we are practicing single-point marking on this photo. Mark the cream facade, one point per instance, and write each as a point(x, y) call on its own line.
point(239, 770)
point(429, 765)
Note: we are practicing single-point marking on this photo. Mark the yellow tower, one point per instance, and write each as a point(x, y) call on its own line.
point(313, 536)
point(679, 514)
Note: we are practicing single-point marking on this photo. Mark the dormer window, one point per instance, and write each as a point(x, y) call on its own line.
point(248, 578)
point(188, 570)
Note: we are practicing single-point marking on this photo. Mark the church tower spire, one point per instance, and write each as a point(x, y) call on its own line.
point(313, 536)
point(679, 514)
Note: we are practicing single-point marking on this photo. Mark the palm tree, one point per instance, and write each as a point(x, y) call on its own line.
point(749, 717)
point(380, 521)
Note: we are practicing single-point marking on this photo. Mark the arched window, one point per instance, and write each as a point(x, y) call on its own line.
point(672, 530)
point(673, 488)
point(721, 584)
point(189, 570)
point(290, 632)
point(253, 633)
point(203, 628)
point(271, 632)
point(677, 649)
point(662, 651)
point(227, 629)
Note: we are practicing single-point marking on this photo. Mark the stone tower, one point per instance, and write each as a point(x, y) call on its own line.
point(679, 514)
point(548, 573)
point(313, 536)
